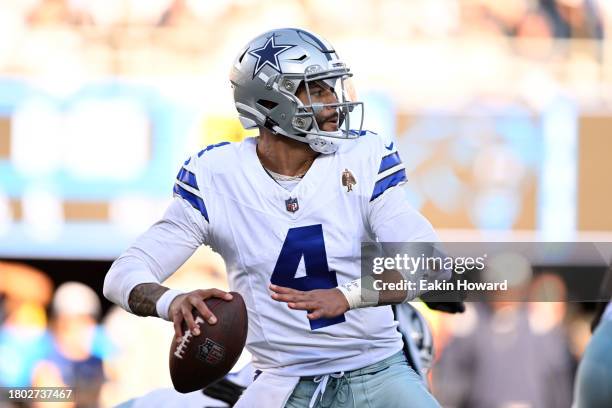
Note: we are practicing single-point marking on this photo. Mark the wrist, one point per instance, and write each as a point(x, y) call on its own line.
point(164, 302)
point(356, 296)
point(345, 303)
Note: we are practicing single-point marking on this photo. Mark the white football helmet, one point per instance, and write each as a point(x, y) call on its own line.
point(266, 76)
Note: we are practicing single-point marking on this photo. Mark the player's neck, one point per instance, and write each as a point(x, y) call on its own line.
point(283, 155)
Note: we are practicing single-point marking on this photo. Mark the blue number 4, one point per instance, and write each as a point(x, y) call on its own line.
point(307, 242)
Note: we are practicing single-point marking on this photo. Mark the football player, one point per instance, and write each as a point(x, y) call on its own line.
point(288, 211)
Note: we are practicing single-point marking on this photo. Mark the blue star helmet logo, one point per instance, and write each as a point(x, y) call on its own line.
point(268, 55)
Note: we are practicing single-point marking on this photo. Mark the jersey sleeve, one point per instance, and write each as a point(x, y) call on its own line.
point(393, 219)
point(166, 245)
point(390, 215)
point(390, 171)
point(398, 226)
point(189, 187)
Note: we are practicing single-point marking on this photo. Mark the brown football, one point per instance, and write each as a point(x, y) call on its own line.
point(198, 361)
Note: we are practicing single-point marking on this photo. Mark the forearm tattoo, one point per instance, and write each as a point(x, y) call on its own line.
point(143, 298)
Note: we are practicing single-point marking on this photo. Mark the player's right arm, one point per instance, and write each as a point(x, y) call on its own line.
point(134, 280)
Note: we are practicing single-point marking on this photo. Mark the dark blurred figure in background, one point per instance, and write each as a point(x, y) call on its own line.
point(566, 18)
point(503, 361)
point(574, 18)
point(71, 360)
point(509, 353)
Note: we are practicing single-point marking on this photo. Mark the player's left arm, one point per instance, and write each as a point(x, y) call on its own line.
point(396, 223)
point(392, 219)
point(334, 302)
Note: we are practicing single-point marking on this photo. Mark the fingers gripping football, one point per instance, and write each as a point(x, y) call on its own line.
point(199, 361)
point(181, 309)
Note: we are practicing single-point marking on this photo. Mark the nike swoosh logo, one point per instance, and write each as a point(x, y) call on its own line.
point(390, 147)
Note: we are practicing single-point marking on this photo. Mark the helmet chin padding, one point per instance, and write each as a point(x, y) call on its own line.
point(317, 143)
point(321, 145)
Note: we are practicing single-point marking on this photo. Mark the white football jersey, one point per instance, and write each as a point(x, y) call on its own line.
point(307, 238)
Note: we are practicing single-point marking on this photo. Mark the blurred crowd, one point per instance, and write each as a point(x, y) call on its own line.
point(113, 36)
point(58, 337)
point(511, 353)
point(496, 353)
point(61, 347)
point(559, 18)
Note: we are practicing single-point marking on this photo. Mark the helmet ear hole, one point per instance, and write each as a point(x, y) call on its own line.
point(267, 104)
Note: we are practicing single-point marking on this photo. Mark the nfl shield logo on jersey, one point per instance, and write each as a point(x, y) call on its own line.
point(292, 204)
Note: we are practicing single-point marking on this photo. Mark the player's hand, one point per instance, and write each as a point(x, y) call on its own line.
point(318, 302)
point(182, 306)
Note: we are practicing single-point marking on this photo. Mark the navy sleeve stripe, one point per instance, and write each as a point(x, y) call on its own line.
point(361, 132)
point(210, 147)
point(188, 178)
point(389, 161)
point(195, 201)
point(386, 183)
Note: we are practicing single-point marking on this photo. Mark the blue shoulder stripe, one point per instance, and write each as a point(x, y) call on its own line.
point(195, 201)
point(210, 147)
point(390, 160)
point(361, 132)
point(386, 183)
point(188, 178)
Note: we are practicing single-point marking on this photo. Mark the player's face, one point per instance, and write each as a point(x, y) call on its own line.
point(320, 92)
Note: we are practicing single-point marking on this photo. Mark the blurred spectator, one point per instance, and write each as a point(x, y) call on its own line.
point(502, 361)
point(574, 18)
point(604, 9)
point(534, 24)
point(547, 307)
point(534, 34)
point(509, 352)
point(478, 21)
point(178, 14)
point(70, 361)
point(506, 13)
point(25, 293)
point(56, 12)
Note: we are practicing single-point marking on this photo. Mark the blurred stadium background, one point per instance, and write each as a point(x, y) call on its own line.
point(502, 110)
